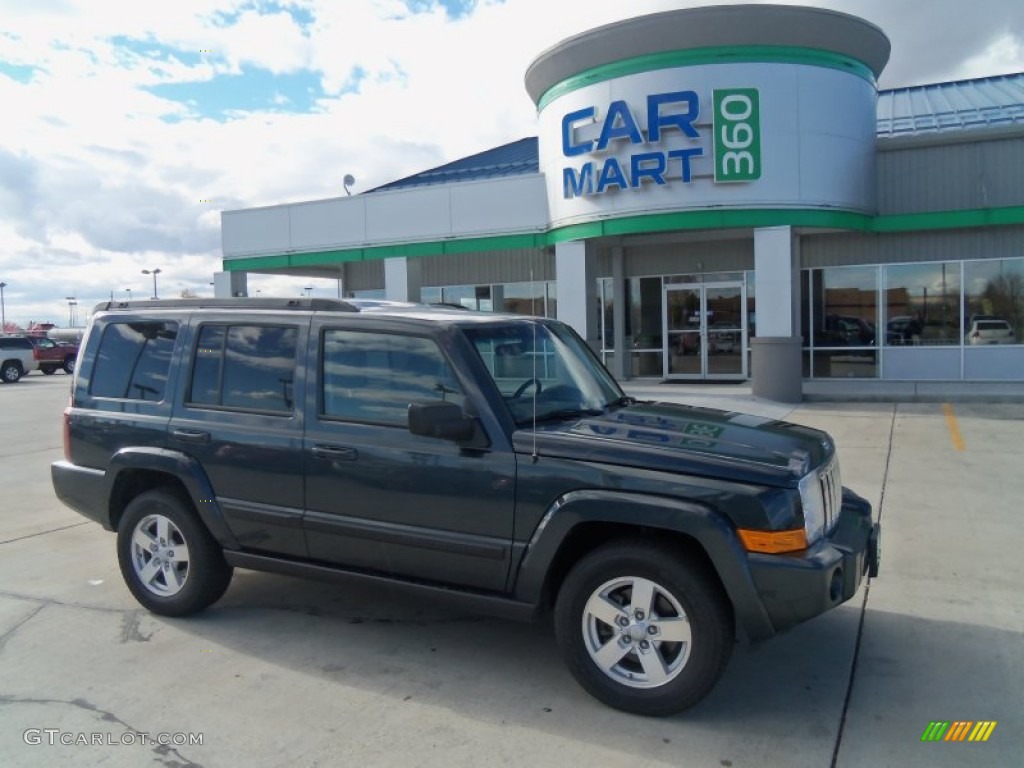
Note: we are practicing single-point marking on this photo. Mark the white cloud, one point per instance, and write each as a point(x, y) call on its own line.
point(98, 181)
point(1005, 55)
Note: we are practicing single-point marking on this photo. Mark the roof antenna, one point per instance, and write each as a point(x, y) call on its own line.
point(536, 382)
point(347, 182)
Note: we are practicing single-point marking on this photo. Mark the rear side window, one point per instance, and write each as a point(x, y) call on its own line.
point(133, 360)
point(373, 377)
point(993, 325)
point(248, 367)
point(15, 343)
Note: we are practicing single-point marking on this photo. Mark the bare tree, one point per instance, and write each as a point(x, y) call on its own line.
point(1006, 293)
point(188, 293)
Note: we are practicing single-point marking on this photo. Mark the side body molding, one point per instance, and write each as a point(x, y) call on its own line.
point(709, 529)
point(184, 468)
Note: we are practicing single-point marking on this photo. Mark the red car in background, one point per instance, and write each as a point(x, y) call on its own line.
point(53, 355)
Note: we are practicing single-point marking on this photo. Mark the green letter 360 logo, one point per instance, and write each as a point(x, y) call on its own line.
point(737, 131)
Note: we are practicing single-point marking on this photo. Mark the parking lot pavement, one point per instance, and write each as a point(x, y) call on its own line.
point(289, 673)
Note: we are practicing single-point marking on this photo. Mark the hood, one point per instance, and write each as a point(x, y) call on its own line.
point(686, 440)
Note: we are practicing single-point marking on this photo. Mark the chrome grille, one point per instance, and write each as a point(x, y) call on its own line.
point(831, 492)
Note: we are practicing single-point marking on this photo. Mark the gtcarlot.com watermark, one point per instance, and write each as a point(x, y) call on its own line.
point(55, 736)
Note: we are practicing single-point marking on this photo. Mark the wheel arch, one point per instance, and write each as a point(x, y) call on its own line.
point(136, 470)
point(581, 521)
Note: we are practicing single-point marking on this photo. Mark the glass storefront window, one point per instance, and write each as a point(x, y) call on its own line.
point(994, 292)
point(751, 306)
point(643, 313)
point(369, 293)
point(643, 325)
point(524, 298)
point(922, 304)
point(844, 307)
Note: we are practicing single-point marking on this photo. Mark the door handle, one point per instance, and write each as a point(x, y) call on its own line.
point(336, 452)
point(191, 435)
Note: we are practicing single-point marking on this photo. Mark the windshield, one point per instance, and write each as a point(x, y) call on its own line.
point(546, 364)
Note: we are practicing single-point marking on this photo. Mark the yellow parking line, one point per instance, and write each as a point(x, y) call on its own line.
point(954, 428)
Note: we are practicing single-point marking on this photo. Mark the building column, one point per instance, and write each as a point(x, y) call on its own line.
point(228, 285)
point(576, 290)
point(403, 279)
point(776, 350)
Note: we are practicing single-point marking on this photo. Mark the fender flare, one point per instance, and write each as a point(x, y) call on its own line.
point(185, 469)
point(712, 532)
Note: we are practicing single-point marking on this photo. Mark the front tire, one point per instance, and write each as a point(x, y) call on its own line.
point(644, 629)
point(69, 366)
point(10, 372)
point(170, 562)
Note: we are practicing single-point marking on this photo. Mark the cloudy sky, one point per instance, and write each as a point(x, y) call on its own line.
point(127, 127)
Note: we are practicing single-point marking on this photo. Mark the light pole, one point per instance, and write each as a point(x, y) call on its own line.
point(129, 292)
point(154, 273)
point(72, 303)
point(3, 310)
point(309, 290)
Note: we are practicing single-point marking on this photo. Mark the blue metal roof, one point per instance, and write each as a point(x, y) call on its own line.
point(513, 159)
point(956, 106)
point(921, 109)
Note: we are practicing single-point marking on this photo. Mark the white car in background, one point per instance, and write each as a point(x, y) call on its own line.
point(991, 331)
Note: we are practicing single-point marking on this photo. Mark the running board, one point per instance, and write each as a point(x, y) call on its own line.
point(491, 605)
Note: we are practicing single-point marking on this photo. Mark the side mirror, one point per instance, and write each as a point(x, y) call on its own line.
point(440, 419)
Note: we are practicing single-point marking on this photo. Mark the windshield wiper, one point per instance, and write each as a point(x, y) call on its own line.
point(563, 413)
point(620, 402)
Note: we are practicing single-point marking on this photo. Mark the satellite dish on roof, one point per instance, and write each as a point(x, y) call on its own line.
point(348, 181)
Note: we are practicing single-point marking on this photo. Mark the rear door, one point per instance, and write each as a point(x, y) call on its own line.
point(240, 415)
point(377, 496)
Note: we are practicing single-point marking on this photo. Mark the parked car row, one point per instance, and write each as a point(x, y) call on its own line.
point(20, 355)
point(906, 330)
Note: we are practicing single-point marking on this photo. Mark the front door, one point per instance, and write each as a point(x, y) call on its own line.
point(383, 499)
point(705, 331)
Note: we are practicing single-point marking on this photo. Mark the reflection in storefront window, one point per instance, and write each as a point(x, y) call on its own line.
point(537, 299)
point(922, 304)
point(530, 298)
point(994, 296)
point(844, 307)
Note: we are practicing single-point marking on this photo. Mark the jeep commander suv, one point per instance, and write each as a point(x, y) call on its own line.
point(486, 458)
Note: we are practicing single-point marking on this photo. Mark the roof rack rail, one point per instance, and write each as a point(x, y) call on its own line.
point(241, 302)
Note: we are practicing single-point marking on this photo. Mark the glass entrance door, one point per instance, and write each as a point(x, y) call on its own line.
point(705, 331)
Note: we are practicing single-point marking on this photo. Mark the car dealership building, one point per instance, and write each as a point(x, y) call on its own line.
point(714, 193)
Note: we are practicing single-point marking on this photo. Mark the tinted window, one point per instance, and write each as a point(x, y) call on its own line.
point(251, 367)
point(993, 325)
point(374, 376)
point(133, 360)
point(15, 343)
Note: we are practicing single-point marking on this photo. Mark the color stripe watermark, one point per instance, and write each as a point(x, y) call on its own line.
point(959, 730)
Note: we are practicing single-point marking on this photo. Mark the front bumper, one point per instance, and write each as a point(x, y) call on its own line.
point(795, 588)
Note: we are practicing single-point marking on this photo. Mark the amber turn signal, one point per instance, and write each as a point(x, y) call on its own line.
point(773, 542)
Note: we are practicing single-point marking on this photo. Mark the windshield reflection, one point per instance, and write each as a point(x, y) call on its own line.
point(544, 371)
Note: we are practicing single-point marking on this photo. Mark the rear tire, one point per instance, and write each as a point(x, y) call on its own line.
point(170, 562)
point(69, 366)
point(644, 629)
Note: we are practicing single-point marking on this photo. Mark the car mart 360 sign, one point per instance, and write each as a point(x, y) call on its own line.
point(735, 142)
